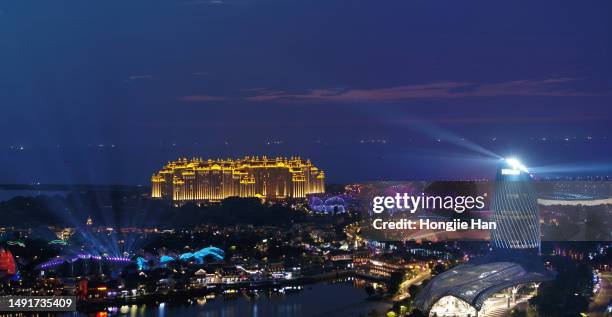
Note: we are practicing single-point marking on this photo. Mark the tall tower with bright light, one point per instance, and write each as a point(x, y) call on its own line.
point(515, 209)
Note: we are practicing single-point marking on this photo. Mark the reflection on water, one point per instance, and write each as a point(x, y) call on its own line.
point(322, 299)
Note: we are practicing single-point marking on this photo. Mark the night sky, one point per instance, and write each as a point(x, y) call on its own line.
point(108, 91)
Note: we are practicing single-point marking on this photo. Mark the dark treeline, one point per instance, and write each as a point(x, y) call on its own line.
point(70, 187)
point(569, 293)
point(134, 209)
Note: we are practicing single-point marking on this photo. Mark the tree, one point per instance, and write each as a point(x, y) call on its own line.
point(564, 296)
point(369, 290)
point(438, 268)
point(518, 313)
point(394, 281)
point(417, 313)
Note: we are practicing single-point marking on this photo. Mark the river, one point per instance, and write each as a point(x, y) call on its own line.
point(320, 299)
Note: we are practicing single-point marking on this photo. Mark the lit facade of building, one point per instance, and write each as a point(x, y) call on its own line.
point(214, 180)
point(515, 209)
point(469, 289)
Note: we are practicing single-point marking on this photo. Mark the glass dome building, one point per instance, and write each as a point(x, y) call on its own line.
point(465, 290)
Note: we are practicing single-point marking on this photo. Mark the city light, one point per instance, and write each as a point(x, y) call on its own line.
point(292, 158)
point(516, 164)
point(214, 180)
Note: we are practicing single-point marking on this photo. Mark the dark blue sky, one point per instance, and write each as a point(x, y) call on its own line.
point(106, 91)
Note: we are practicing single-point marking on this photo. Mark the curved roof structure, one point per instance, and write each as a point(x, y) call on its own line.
point(316, 201)
point(215, 252)
point(475, 283)
point(334, 201)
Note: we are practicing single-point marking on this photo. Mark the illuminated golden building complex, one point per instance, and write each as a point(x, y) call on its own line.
point(213, 180)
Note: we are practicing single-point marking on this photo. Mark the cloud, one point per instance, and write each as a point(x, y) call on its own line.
point(437, 90)
point(201, 98)
point(214, 2)
point(551, 87)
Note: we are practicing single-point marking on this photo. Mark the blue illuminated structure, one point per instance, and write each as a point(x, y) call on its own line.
point(142, 264)
point(59, 242)
point(51, 263)
point(61, 260)
point(199, 256)
point(316, 203)
point(515, 209)
point(186, 256)
point(18, 243)
point(332, 205)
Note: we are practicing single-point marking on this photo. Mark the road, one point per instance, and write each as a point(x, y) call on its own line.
point(599, 303)
point(403, 288)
